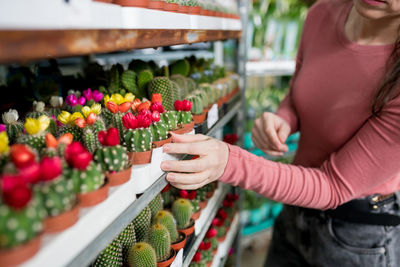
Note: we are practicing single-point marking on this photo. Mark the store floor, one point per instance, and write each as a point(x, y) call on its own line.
point(254, 249)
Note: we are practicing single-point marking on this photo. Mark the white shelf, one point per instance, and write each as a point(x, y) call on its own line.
point(86, 14)
point(270, 68)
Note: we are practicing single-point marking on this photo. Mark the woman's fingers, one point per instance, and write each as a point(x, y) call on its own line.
point(188, 138)
point(283, 133)
point(188, 187)
point(195, 165)
point(188, 178)
point(197, 148)
point(270, 130)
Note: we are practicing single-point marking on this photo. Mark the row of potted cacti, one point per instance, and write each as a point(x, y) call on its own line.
point(226, 9)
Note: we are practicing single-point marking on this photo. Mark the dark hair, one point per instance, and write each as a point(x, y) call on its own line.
point(388, 89)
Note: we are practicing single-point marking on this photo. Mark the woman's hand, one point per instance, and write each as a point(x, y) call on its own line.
point(192, 174)
point(270, 133)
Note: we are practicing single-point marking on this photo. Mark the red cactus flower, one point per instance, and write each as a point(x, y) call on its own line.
point(77, 156)
point(144, 118)
point(178, 105)
point(130, 121)
point(50, 168)
point(30, 174)
point(18, 197)
point(91, 118)
point(201, 246)
point(232, 197)
point(112, 107)
point(215, 222)
point(192, 195)
point(10, 181)
point(231, 138)
point(211, 232)
point(166, 188)
point(227, 204)
point(124, 107)
point(109, 137)
point(157, 106)
point(220, 223)
point(143, 106)
point(197, 257)
point(186, 105)
point(156, 98)
point(222, 214)
point(155, 116)
point(183, 193)
point(21, 155)
point(207, 246)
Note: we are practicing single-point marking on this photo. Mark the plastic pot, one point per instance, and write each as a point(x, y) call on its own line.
point(95, 197)
point(189, 230)
point(171, 7)
point(118, 178)
point(196, 215)
point(162, 142)
point(138, 158)
point(178, 245)
point(183, 9)
point(19, 254)
point(167, 262)
point(62, 221)
point(156, 5)
point(198, 119)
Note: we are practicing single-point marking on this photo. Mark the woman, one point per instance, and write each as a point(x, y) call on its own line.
point(344, 101)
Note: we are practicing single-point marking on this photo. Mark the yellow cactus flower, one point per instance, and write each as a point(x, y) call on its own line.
point(129, 97)
point(106, 99)
point(96, 108)
point(63, 117)
point(117, 99)
point(44, 123)
point(86, 111)
point(4, 148)
point(32, 126)
point(75, 116)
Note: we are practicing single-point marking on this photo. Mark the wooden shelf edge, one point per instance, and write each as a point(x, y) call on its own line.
point(24, 46)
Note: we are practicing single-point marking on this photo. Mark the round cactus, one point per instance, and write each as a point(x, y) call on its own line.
point(127, 238)
point(167, 219)
point(170, 119)
point(156, 205)
point(73, 129)
point(182, 91)
point(142, 255)
point(36, 141)
point(111, 256)
point(182, 210)
point(160, 240)
point(107, 116)
point(38, 110)
point(142, 224)
point(197, 107)
point(112, 158)
point(159, 131)
point(181, 67)
point(184, 117)
point(190, 85)
point(203, 96)
point(19, 226)
point(88, 180)
point(139, 140)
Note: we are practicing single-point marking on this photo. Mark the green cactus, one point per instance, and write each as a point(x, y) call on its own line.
point(111, 256)
point(197, 264)
point(114, 85)
point(138, 65)
point(168, 198)
point(197, 104)
point(184, 117)
point(164, 71)
point(221, 231)
point(160, 240)
point(142, 224)
point(19, 226)
point(203, 97)
point(190, 85)
point(14, 128)
point(182, 210)
point(142, 255)
point(85, 181)
point(163, 86)
point(170, 119)
point(128, 80)
point(206, 256)
point(112, 158)
point(201, 194)
point(144, 78)
point(90, 140)
point(138, 140)
point(35, 141)
point(214, 242)
point(181, 67)
point(38, 110)
point(167, 219)
point(159, 131)
point(107, 116)
point(127, 238)
point(117, 123)
point(58, 195)
point(181, 90)
point(73, 129)
point(156, 205)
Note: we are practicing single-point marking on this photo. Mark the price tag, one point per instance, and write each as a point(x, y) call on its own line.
point(212, 116)
point(178, 262)
point(156, 159)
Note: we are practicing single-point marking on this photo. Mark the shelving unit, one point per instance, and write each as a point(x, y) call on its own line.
point(270, 68)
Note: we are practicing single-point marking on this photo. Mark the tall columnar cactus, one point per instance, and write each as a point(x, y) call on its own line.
point(127, 238)
point(159, 131)
point(142, 224)
point(142, 255)
point(139, 140)
point(182, 210)
point(14, 127)
point(156, 205)
point(117, 123)
point(167, 219)
point(197, 104)
point(163, 86)
point(160, 240)
point(170, 119)
point(87, 180)
point(111, 256)
point(36, 131)
point(107, 116)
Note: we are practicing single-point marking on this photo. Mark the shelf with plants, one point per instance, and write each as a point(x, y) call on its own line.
point(270, 68)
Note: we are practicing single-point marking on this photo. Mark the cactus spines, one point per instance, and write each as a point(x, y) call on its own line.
point(107, 116)
point(90, 140)
point(167, 219)
point(182, 87)
point(190, 85)
point(209, 92)
point(184, 117)
point(144, 77)
point(34, 141)
point(88, 180)
point(163, 86)
point(117, 123)
point(182, 210)
point(142, 224)
point(181, 67)
point(160, 240)
point(73, 129)
point(112, 158)
point(139, 140)
point(14, 128)
point(127, 238)
point(170, 119)
point(203, 96)
point(156, 205)
point(111, 256)
point(159, 131)
point(128, 80)
point(142, 255)
point(197, 107)
point(38, 110)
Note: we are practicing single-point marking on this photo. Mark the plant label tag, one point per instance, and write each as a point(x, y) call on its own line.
point(178, 262)
point(156, 159)
point(212, 116)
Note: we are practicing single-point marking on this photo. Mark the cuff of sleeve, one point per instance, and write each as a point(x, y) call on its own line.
point(229, 174)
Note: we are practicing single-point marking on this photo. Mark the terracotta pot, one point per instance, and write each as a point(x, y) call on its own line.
point(206, 110)
point(210, 194)
point(203, 12)
point(221, 239)
point(194, 10)
point(104, 1)
point(183, 9)
point(203, 204)
point(199, 118)
point(209, 264)
point(188, 127)
point(118, 178)
point(132, 3)
point(156, 5)
point(189, 230)
point(178, 245)
point(213, 13)
point(172, 7)
point(62, 221)
point(181, 130)
point(168, 262)
point(196, 215)
point(220, 102)
point(215, 252)
point(95, 197)
point(162, 142)
point(19, 254)
point(138, 158)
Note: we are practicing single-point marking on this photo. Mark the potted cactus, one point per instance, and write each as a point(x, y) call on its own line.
point(185, 118)
point(197, 110)
point(113, 157)
point(88, 180)
point(142, 255)
point(159, 238)
point(183, 6)
point(142, 223)
point(191, 196)
point(197, 260)
point(218, 223)
point(194, 7)
point(182, 210)
point(159, 130)
point(110, 256)
point(127, 238)
point(156, 205)
point(178, 240)
point(14, 127)
point(171, 5)
point(35, 132)
point(156, 4)
point(132, 3)
point(138, 137)
point(206, 252)
point(211, 236)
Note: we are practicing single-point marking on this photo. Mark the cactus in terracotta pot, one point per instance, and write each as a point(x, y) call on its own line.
point(142, 255)
point(167, 219)
point(156, 205)
point(183, 111)
point(138, 138)
point(160, 240)
point(182, 210)
point(158, 128)
point(35, 132)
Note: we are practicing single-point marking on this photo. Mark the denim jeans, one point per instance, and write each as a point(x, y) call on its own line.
point(300, 239)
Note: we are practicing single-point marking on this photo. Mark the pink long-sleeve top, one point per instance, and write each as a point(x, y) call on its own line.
point(344, 153)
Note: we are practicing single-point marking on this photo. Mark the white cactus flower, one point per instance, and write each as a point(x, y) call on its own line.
point(10, 116)
point(38, 106)
point(56, 101)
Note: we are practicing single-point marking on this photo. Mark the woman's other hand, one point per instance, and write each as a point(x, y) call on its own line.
point(192, 174)
point(270, 133)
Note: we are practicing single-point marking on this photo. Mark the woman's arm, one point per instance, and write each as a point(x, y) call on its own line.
point(366, 161)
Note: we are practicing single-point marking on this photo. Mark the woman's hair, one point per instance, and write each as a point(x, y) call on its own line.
point(389, 88)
